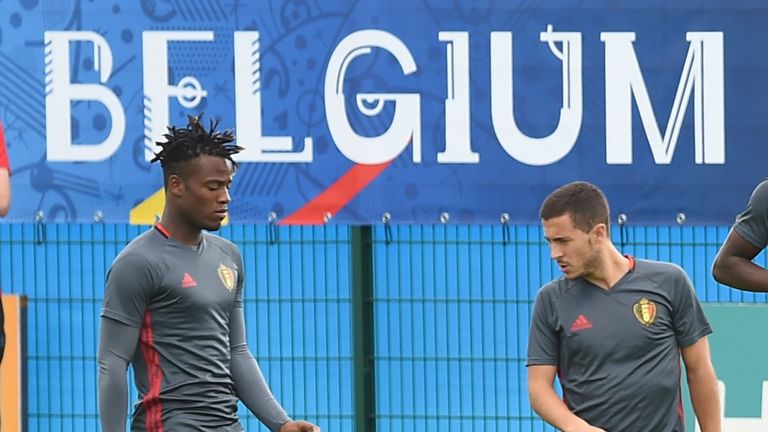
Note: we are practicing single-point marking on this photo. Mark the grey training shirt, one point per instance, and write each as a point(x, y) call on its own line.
point(181, 298)
point(618, 351)
point(752, 224)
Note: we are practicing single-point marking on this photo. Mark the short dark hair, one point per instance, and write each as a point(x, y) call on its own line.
point(584, 202)
point(189, 143)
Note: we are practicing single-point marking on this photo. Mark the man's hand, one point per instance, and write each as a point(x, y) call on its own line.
point(299, 426)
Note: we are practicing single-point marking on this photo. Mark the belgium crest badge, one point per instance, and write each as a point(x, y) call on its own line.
point(227, 276)
point(645, 311)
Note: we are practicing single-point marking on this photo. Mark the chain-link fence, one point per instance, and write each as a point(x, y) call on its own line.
point(448, 329)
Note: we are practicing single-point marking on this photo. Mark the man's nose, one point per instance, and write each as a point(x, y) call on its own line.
point(224, 197)
point(555, 252)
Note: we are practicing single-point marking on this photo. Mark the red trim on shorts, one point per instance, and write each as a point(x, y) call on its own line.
point(159, 227)
point(153, 406)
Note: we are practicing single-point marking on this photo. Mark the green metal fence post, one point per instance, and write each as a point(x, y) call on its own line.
point(362, 334)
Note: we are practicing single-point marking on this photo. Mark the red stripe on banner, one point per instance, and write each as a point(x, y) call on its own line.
point(336, 196)
point(153, 408)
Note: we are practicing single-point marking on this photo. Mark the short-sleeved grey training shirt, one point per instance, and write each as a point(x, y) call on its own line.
point(752, 224)
point(618, 350)
point(181, 299)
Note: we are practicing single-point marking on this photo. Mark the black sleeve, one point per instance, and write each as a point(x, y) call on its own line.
point(117, 342)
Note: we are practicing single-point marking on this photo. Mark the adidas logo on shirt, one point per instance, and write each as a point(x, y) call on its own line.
point(188, 281)
point(580, 323)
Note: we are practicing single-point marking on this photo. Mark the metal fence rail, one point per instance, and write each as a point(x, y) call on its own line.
point(451, 306)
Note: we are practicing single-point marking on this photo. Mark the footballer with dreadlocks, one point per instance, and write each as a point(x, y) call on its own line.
point(173, 306)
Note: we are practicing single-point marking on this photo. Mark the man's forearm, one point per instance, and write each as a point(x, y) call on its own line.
point(113, 394)
point(553, 410)
point(252, 389)
point(741, 273)
point(117, 342)
point(250, 385)
point(705, 399)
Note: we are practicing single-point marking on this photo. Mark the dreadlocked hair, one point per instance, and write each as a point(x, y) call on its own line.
point(185, 144)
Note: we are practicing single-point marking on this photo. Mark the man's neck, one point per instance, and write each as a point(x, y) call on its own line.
point(179, 229)
point(613, 267)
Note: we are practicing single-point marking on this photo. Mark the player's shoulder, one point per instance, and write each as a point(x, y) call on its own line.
point(555, 288)
point(223, 244)
point(142, 250)
point(658, 271)
point(762, 186)
point(760, 193)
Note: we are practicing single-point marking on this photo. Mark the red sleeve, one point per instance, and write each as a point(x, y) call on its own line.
point(3, 152)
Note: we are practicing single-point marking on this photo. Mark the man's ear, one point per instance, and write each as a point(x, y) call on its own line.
point(176, 185)
point(601, 231)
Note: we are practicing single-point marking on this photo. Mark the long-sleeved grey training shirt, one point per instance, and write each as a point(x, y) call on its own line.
point(175, 314)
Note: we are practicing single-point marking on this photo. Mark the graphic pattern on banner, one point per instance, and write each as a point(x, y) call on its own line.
point(350, 110)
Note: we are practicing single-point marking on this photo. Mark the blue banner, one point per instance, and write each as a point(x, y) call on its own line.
point(412, 111)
